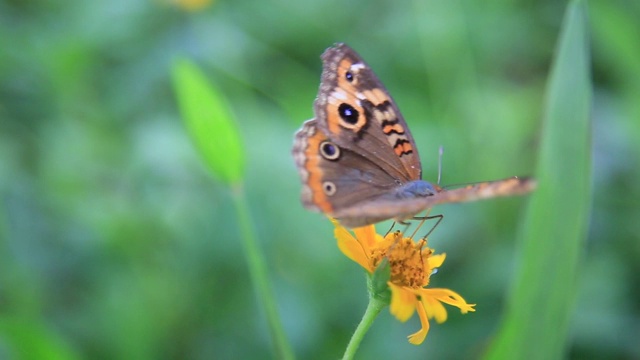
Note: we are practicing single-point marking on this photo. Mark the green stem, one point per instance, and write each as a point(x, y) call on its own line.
point(373, 309)
point(258, 272)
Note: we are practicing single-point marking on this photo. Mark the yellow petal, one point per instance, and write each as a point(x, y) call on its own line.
point(391, 236)
point(403, 302)
point(351, 247)
point(435, 261)
point(366, 235)
point(434, 309)
point(450, 297)
point(418, 337)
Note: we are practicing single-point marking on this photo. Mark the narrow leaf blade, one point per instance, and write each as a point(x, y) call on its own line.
point(210, 122)
point(540, 303)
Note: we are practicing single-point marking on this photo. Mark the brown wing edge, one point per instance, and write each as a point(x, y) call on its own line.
point(300, 145)
point(376, 211)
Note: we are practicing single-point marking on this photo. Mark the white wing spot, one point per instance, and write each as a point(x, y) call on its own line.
point(339, 94)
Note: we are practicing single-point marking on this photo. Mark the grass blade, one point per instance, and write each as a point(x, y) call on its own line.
point(209, 121)
point(539, 306)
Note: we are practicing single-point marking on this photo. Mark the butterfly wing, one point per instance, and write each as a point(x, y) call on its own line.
point(374, 211)
point(335, 177)
point(355, 110)
point(357, 159)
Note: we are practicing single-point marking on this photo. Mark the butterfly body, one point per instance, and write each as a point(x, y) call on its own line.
point(357, 159)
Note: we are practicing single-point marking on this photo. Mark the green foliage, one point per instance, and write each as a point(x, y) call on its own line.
point(544, 289)
point(115, 242)
point(379, 282)
point(209, 121)
point(36, 340)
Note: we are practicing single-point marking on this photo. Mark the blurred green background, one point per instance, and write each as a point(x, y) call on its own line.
point(116, 242)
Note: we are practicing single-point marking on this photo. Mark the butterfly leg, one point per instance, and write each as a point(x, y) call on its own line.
point(406, 226)
point(404, 223)
point(422, 221)
point(390, 229)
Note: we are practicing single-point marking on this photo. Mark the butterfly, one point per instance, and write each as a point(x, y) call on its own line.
point(357, 159)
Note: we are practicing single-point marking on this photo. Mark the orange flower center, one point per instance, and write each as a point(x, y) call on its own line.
point(405, 259)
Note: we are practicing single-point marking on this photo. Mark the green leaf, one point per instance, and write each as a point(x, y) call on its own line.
point(35, 339)
point(209, 121)
point(378, 287)
point(536, 321)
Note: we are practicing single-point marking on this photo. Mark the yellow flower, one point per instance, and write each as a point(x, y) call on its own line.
point(411, 264)
point(191, 5)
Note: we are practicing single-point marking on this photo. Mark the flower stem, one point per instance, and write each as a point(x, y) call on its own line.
point(258, 271)
point(373, 309)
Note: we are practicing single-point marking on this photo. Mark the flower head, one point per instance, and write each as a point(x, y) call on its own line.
point(411, 266)
point(191, 5)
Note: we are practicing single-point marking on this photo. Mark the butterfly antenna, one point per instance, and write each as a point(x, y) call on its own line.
point(440, 152)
